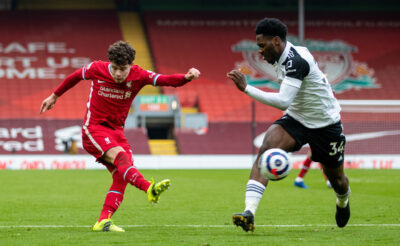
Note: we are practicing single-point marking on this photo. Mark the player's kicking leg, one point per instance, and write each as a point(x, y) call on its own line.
point(254, 193)
point(276, 137)
point(122, 161)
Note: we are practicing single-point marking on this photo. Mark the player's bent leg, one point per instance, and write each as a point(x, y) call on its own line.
point(340, 184)
point(276, 137)
point(343, 207)
point(156, 189)
point(107, 225)
point(122, 161)
point(114, 196)
point(131, 175)
point(254, 191)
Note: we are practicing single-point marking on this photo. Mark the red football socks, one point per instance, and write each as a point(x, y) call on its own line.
point(114, 197)
point(129, 172)
point(306, 165)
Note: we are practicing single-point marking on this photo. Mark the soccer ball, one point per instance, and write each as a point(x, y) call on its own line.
point(274, 164)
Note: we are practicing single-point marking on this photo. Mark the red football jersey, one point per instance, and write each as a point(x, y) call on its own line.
point(109, 102)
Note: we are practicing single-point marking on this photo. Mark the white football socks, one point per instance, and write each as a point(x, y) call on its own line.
point(254, 193)
point(342, 200)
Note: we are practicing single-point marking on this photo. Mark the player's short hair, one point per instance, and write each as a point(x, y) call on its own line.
point(271, 27)
point(121, 53)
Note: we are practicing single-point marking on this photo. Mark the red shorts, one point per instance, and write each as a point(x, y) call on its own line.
point(97, 139)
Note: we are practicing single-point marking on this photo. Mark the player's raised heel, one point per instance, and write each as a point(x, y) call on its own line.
point(155, 190)
point(244, 220)
point(107, 225)
point(342, 215)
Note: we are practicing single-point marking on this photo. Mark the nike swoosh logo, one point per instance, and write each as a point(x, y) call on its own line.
point(100, 81)
point(349, 138)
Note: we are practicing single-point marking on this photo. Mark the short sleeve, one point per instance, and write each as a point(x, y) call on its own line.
point(149, 77)
point(88, 71)
point(296, 68)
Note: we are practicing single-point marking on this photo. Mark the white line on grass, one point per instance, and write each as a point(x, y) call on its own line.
point(196, 226)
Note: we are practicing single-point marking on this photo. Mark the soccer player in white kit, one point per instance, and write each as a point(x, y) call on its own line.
point(312, 116)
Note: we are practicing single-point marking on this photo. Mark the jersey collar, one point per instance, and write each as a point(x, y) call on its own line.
point(285, 52)
point(109, 69)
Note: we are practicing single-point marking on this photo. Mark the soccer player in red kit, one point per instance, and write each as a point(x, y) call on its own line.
point(114, 86)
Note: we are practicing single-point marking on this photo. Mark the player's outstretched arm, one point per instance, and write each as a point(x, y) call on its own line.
point(69, 82)
point(176, 80)
point(48, 103)
point(280, 100)
point(192, 74)
point(238, 78)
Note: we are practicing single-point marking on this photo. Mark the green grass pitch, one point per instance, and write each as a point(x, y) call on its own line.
point(59, 208)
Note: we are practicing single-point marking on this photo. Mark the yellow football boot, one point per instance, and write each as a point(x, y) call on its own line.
point(107, 225)
point(155, 190)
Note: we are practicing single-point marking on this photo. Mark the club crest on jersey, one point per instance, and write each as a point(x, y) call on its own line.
point(129, 84)
point(151, 75)
point(128, 94)
point(107, 140)
point(334, 59)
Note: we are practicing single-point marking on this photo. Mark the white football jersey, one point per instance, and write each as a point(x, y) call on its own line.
point(315, 105)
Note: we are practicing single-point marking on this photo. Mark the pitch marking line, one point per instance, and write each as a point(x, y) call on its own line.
point(196, 226)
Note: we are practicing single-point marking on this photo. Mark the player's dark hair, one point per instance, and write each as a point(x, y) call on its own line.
point(121, 53)
point(271, 27)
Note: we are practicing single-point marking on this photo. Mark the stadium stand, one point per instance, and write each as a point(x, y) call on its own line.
point(133, 32)
point(39, 39)
point(221, 138)
point(216, 58)
point(138, 140)
point(209, 38)
point(51, 55)
point(38, 136)
point(163, 147)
